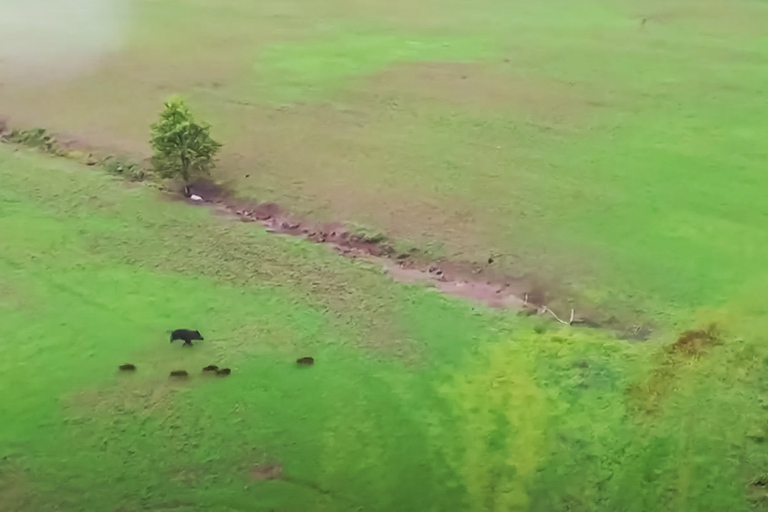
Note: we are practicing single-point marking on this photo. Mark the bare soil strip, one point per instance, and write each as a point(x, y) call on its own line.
point(480, 283)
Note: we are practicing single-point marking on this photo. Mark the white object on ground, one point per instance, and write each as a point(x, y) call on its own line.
point(195, 197)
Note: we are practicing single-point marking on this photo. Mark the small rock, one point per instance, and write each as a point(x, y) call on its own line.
point(305, 361)
point(195, 197)
point(179, 373)
point(211, 368)
point(223, 372)
point(127, 367)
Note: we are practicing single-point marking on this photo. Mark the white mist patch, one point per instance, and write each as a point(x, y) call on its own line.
point(51, 40)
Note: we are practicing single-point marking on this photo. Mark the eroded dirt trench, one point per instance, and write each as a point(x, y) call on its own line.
point(480, 283)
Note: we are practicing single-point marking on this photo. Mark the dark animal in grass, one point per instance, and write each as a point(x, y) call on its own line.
point(211, 368)
point(127, 367)
point(187, 335)
point(223, 372)
point(305, 361)
point(179, 373)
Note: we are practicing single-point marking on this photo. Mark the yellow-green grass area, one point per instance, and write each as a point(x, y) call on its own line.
point(613, 148)
point(415, 402)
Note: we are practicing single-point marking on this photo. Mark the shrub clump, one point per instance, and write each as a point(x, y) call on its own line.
point(121, 166)
point(37, 138)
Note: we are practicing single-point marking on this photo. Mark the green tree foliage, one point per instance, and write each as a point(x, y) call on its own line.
point(182, 147)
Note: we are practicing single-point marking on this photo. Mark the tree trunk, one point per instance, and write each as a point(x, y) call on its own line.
point(185, 169)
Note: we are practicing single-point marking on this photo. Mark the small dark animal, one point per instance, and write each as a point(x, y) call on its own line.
point(223, 372)
point(128, 367)
point(186, 335)
point(179, 373)
point(490, 260)
point(211, 368)
point(305, 361)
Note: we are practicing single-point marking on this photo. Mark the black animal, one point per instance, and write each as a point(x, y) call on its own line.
point(305, 361)
point(179, 373)
point(128, 367)
point(186, 335)
point(223, 372)
point(211, 368)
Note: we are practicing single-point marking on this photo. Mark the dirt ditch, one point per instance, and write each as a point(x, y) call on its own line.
point(480, 283)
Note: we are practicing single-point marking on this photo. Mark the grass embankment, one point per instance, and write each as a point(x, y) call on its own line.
point(416, 401)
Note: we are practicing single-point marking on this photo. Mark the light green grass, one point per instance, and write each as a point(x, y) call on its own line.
point(300, 71)
point(416, 402)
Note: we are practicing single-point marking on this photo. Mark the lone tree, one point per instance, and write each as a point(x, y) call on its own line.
point(182, 147)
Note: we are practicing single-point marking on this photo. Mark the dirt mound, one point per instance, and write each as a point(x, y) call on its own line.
point(692, 342)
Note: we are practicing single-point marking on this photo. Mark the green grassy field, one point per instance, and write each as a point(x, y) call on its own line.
point(620, 158)
point(416, 401)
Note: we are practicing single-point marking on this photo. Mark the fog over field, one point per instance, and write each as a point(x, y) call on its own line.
point(55, 40)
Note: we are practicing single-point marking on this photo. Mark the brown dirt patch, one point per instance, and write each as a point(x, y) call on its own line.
point(15, 490)
point(267, 471)
point(646, 397)
point(692, 343)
